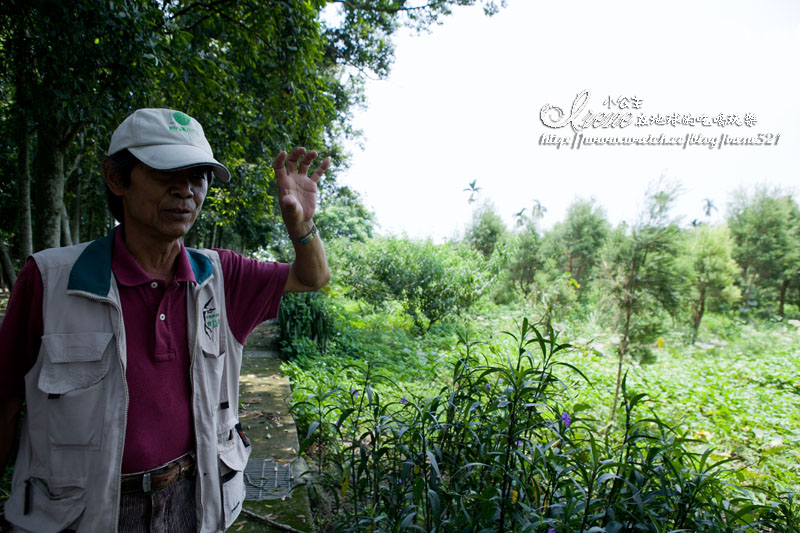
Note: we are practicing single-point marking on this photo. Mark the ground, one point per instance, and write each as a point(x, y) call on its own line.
point(264, 399)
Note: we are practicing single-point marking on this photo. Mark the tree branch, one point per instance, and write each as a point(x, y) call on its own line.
point(271, 522)
point(367, 7)
point(207, 5)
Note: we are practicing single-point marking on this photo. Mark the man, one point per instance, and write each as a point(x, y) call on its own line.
point(128, 349)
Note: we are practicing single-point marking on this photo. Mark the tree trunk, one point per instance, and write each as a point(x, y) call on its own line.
point(49, 185)
point(22, 134)
point(784, 288)
point(25, 227)
point(698, 313)
point(8, 268)
point(213, 236)
point(75, 224)
point(90, 230)
point(66, 235)
point(623, 347)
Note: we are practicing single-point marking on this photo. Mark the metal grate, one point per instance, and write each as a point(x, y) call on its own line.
point(267, 480)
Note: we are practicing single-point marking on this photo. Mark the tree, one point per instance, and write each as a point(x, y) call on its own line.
point(712, 271)
point(574, 244)
point(525, 257)
point(62, 81)
point(342, 215)
point(430, 281)
point(643, 275)
point(473, 190)
point(487, 229)
point(259, 76)
point(766, 229)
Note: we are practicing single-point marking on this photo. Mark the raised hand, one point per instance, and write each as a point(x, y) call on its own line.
point(297, 191)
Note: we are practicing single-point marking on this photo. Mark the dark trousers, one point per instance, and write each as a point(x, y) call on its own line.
point(169, 510)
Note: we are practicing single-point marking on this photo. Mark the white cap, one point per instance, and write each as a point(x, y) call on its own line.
point(165, 139)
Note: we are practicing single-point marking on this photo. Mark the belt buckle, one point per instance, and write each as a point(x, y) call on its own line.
point(146, 485)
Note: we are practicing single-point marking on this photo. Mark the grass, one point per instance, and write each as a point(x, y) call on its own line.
point(735, 391)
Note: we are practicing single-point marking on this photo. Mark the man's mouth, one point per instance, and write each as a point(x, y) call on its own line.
point(179, 212)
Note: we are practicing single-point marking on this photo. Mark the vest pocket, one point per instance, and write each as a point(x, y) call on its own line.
point(233, 455)
point(40, 508)
point(73, 369)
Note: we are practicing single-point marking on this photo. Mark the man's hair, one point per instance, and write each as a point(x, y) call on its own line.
point(121, 164)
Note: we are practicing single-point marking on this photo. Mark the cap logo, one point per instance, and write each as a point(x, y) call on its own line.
point(181, 118)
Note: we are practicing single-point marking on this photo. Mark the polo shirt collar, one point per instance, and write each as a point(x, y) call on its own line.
point(92, 271)
point(129, 273)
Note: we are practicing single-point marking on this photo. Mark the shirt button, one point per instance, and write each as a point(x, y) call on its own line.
point(154, 284)
point(162, 317)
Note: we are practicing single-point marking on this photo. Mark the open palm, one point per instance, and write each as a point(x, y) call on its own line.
point(297, 191)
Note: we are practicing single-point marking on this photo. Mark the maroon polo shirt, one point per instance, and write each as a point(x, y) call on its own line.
point(159, 426)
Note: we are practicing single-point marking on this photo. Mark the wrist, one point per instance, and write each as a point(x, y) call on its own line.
point(305, 234)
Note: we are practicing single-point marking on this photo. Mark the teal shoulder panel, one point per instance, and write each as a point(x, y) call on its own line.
point(92, 271)
point(201, 265)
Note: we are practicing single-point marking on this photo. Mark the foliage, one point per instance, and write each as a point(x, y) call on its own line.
point(766, 229)
point(525, 259)
point(259, 76)
point(712, 271)
point(575, 243)
point(487, 229)
point(60, 85)
point(342, 214)
point(556, 292)
point(643, 276)
point(430, 281)
point(305, 324)
point(503, 447)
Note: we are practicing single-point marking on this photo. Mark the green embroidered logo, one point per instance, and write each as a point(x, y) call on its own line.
point(181, 118)
point(210, 318)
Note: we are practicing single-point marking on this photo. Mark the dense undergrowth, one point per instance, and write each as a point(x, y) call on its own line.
point(485, 430)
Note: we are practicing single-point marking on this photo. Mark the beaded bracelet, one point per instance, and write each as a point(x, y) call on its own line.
point(305, 239)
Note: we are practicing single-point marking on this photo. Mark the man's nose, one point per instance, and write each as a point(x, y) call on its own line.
point(182, 188)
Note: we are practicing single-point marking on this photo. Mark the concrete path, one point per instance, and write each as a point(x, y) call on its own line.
point(274, 467)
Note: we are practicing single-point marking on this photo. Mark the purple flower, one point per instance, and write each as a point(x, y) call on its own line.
point(552, 529)
point(566, 419)
point(354, 392)
point(488, 387)
point(519, 442)
point(404, 400)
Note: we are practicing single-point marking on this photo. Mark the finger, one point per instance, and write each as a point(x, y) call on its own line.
point(279, 166)
point(306, 162)
point(290, 208)
point(294, 157)
point(280, 159)
point(321, 169)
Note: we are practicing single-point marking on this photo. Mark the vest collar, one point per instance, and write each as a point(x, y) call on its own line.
point(92, 271)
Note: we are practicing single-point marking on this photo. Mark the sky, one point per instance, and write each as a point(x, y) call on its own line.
point(464, 102)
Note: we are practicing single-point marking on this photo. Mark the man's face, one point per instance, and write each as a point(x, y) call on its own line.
point(162, 204)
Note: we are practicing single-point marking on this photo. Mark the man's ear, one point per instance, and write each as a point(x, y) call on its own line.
point(112, 177)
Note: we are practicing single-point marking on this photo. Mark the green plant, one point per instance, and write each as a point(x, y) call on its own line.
point(430, 281)
point(305, 324)
point(503, 447)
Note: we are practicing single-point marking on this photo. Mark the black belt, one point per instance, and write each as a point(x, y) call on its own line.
point(161, 477)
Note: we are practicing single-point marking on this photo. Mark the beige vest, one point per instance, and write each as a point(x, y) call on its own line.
point(67, 474)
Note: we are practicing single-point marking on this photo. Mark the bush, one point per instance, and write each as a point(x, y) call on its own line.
point(500, 449)
point(305, 324)
point(430, 281)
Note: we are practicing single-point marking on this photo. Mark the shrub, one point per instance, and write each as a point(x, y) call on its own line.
point(501, 449)
point(305, 324)
point(430, 281)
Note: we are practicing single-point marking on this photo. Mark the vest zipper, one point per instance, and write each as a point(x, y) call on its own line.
point(199, 482)
point(120, 326)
